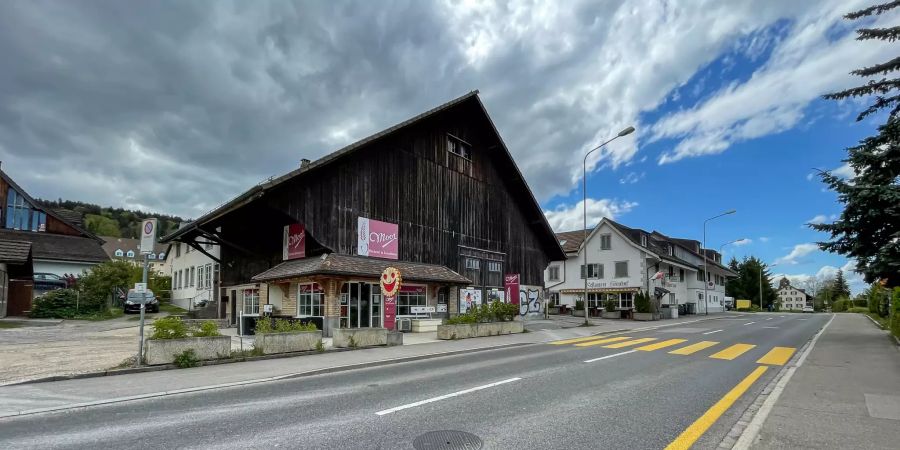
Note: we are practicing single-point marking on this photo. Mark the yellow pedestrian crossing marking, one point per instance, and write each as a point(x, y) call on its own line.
point(778, 356)
point(659, 345)
point(694, 348)
point(574, 340)
point(602, 341)
point(629, 343)
point(733, 352)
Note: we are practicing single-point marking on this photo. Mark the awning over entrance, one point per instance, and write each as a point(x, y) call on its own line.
point(335, 264)
point(597, 290)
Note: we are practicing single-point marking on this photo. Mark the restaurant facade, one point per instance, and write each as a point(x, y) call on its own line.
point(437, 199)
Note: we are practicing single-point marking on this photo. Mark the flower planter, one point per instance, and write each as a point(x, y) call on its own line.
point(553, 310)
point(164, 351)
point(578, 312)
point(612, 314)
point(464, 331)
point(362, 337)
point(294, 341)
point(644, 316)
point(425, 325)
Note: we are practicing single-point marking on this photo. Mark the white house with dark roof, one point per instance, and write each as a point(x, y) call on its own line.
point(792, 298)
point(129, 249)
point(623, 261)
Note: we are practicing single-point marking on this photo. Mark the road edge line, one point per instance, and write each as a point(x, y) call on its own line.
point(753, 428)
point(308, 373)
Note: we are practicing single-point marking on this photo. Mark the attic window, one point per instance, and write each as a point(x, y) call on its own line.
point(130, 254)
point(459, 147)
point(563, 242)
point(119, 252)
point(643, 240)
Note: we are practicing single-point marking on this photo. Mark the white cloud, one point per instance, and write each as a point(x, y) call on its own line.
point(763, 239)
point(571, 217)
point(744, 241)
point(821, 218)
point(774, 98)
point(854, 280)
point(810, 176)
point(845, 171)
point(799, 251)
point(632, 177)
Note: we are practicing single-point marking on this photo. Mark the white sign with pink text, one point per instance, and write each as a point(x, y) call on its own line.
point(377, 239)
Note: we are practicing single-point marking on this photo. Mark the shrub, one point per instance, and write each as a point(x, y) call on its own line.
point(207, 329)
point(320, 347)
point(611, 305)
point(841, 305)
point(187, 359)
point(641, 303)
point(858, 309)
point(60, 304)
point(268, 325)
point(579, 304)
point(498, 311)
point(467, 318)
point(169, 328)
point(895, 312)
point(861, 303)
point(263, 325)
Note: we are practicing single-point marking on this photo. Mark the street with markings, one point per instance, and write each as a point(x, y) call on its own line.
point(674, 387)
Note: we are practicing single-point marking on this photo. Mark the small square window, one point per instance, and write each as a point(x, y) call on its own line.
point(459, 147)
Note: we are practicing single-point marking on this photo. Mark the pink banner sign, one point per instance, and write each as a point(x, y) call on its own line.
point(390, 312)
point(412, 289)
point(294, 241)
point(377, 239)
point(511, 283)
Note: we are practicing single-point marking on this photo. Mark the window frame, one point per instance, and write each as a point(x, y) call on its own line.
point(254, 300)
point(454, 142)
point(553, 273)
point(606, 241)
point(311, 301)
point(616, 269)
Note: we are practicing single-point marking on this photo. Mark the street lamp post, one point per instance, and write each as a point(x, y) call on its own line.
point(624, 132)
point(706, 264)
point(729, 243)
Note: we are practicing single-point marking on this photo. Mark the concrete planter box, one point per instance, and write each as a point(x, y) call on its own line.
point(612, 314)
point(295, 341)
point(362, 337)
point(553, 309)
point(163, 351)
point(425, 325)
point(644, 316)
point(464, 331)
point(578, 312)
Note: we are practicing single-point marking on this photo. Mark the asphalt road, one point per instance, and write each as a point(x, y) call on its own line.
point(536, 396)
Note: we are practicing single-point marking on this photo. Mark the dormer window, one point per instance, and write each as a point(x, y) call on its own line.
point(459, 147)
point(643, 240)
point(162, 255)
point(151, 256)
point(130, 254)
point(119, 252)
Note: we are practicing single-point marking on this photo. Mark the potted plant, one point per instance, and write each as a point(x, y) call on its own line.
point(172, 337)
point(579, 308)
point(283, 336)
point(488, 320)
point(612, 311)
point(643, 310)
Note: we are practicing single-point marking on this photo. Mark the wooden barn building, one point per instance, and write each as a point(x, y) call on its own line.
point(437, 196)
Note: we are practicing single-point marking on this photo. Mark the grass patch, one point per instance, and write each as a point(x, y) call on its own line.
point(9, 325)
point(111, 313)
point(170, 308)
point(883, 322)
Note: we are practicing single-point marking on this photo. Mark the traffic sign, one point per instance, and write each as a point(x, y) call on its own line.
point(148, 235)
point(140, 288)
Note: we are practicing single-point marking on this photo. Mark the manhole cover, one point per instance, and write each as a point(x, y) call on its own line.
point(447, 440)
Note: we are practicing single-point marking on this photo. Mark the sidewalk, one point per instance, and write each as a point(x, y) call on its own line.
point(845, 395)
point(78, 392)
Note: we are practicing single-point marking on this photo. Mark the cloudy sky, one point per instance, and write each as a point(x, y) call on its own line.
point(177, 106)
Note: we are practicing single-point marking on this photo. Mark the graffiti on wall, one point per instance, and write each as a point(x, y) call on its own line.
point(530, 301)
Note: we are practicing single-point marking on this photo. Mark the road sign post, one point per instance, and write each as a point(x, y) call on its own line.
point(148, 241)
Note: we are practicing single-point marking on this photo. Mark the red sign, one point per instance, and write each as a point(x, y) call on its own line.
point(294, 241)
point(390, 312)
point(377, 239)
point(511, 283)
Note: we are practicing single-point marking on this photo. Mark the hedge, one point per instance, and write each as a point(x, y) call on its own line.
point(895, 313)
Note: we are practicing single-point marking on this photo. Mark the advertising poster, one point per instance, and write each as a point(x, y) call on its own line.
point(468, 299)
point(511, 285)
point(294, 241)
point(377, 239)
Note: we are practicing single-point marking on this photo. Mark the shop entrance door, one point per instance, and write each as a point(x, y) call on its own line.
point(360, 305)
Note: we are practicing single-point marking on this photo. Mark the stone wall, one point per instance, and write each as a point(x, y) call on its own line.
point(163, 351)
point(363, 337)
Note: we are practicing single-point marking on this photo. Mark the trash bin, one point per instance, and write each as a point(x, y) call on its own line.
point(691, 308)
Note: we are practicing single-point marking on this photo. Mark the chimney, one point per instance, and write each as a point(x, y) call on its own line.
point(303, 163)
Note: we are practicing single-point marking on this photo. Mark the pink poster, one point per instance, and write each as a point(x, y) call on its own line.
point(377, 239)
point(511, 283)
point(294, 241)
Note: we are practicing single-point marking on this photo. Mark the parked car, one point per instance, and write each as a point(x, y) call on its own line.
point(808, 308)
point(133, 302)
point(48, 282)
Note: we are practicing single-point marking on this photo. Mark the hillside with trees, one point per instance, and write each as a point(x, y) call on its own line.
point(107, 221)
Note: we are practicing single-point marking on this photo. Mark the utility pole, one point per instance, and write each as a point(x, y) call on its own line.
point(143, 307)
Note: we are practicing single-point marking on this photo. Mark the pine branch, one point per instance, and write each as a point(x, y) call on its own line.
point(884, 34)
point(873, 87)
point(873, 10)
point(881, 103)
point(879, 69)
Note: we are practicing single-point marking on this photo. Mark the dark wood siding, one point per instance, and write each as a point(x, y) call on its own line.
point(441, 201)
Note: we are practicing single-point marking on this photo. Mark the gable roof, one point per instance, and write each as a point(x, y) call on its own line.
point(14, 252)
point(534, 213)
point(336, 264)
point(570, 241)
point(62, 247)
point(48, 211)
point(112, 243)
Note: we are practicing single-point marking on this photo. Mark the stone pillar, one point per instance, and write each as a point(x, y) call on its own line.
point(453, 301)
point(332, 314)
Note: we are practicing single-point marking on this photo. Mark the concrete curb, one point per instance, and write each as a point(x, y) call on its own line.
point(325, 370)
point(751, 422)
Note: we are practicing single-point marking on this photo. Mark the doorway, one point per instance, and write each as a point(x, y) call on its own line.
point(360, 305)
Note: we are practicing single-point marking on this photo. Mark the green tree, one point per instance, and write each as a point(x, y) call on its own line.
point(101, 226)
point(868, 229)
point(839, 287)
point(747, 283)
